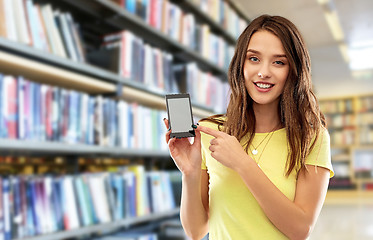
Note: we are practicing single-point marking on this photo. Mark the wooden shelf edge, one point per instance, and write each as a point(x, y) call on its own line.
point(53, 148)
point(48, 74)
point(103, 227)
point(349, 197)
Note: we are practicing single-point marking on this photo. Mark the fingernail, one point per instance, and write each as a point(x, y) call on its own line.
point(164, 119)
point(194, 126)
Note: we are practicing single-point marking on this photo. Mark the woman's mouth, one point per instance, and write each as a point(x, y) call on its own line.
point(263, 86)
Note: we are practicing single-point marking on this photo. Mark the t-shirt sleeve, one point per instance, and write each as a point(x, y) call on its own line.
point(320, 154)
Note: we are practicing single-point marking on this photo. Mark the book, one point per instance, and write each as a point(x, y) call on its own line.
point(10, 24)
point(118, 204)
point(83, 207)
point(21, 22)
point(70, 210)
point(66, 36)
point(89, 199)
point(52, 30)
point(57, 207)
point(3, 30)
point(10, 106)
point(16, 226)
point(99, 197)
point(2, 230)
point(6, 208)
point(3, 129)
point(32, 218)
point(142, 204)
point(130, 193)
point(76, 37)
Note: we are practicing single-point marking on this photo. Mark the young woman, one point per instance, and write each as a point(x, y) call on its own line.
point(266, 162)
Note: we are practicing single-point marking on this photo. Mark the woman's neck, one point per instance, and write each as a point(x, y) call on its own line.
point(267, 118)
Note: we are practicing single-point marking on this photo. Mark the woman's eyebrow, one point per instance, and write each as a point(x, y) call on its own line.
point(280, 55)
point(253, 51)
point(257, 52)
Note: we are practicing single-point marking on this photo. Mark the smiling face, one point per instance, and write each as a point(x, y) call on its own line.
point(266, 68)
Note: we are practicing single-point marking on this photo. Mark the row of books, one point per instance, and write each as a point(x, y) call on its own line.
point(336, 183)
point(41, 26)
point(204, 88)
point(127, 55)
point(40, 204)
point(337, 106)
point(153, 12)
point(367, 186)
point(343, 137)
point(364, 104)
point(183, 27)
point(223, 14)
point(340, 120)
point(40, 112)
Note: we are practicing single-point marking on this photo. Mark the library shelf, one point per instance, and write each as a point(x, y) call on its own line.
point(105, 227)
point(350, 140)
point(54, 70)
point(120, 19)
point(15, 146)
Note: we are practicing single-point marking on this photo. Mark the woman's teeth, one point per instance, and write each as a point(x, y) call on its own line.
point(263, 85)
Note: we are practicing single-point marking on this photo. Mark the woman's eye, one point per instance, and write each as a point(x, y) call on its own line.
point(279, 63)
point(253, 59)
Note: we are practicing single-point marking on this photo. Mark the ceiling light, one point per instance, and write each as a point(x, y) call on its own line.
point(344, 51)
point(361, 56)
point(332, 19)
point(334, 25)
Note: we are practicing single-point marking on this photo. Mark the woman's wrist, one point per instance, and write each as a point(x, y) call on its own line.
point(246, 164)
point(191, 175)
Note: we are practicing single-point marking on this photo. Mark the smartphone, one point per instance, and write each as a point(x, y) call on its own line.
point(180, 117)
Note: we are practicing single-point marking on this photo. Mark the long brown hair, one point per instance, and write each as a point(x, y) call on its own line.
point(298, 107)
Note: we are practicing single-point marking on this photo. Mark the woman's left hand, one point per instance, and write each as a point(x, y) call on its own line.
point(225, 148)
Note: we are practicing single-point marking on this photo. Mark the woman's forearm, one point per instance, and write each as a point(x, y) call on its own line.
point(194, 216)
point(293, 219)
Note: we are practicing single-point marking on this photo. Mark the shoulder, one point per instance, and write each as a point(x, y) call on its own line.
point(323, 137)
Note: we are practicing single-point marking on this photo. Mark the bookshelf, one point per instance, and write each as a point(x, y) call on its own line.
point(351, 133)
point(87, 22)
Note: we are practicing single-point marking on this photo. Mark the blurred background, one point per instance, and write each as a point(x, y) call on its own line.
point(82, 87)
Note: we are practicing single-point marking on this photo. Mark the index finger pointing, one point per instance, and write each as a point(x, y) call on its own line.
point(209, 131)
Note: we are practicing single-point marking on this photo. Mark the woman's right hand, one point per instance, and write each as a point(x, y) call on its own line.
point(186, 156)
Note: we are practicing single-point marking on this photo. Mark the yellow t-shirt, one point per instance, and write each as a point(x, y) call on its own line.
point(234, 212)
